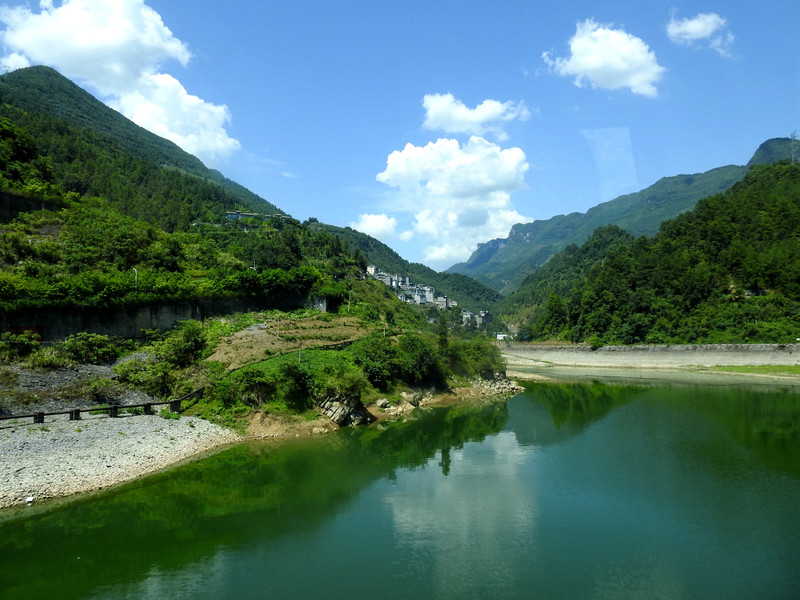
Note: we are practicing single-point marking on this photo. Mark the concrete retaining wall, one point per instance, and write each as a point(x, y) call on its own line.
point(705, 355)
point(130, 322)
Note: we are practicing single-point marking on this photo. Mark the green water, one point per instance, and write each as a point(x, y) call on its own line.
point(566, 491)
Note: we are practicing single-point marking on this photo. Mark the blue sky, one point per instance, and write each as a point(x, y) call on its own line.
point(433, 125)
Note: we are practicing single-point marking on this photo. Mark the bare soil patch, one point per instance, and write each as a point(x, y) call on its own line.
point(279, 336)
point(268, 425)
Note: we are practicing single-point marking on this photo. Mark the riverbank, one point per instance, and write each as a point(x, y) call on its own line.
point(538, 361)
point(62, 458)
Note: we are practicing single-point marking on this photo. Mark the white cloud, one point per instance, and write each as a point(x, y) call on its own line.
point(709, 28)
point(459, 195)
point(609, 59)
point(117, 47)
point(380, 226)
point(444, 113)
point(163, 106)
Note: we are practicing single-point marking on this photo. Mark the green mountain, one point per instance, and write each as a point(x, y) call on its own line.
point(83, 254)
point(727, 271)
point(468, 292)
point(135, 203)
point(503, 264)
point(558, 276)
point(93, 150)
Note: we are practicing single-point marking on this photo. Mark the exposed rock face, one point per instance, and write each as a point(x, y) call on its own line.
point(344, 411)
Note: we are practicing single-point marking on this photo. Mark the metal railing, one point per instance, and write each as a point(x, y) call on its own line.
point(175, 406)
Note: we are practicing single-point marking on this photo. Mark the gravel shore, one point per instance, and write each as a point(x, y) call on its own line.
point(63, 457)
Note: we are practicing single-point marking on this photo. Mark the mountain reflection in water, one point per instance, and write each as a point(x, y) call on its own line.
point(568, 490)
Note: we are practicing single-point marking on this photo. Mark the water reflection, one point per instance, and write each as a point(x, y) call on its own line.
point(567, 491)
point(766, 421)
point(249, 492)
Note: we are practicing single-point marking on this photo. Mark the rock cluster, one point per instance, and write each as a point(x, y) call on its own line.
point(499, 386)
point(344, 411)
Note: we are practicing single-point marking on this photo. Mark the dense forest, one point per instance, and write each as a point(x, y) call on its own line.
point(65, 144)
point(94, 249)
point(726, 271)
point(89, 254)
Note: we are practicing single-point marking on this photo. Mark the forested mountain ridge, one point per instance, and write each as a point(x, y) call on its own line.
point(62, 142)
point(502, 264)
point(558, 276)
point(87, 254)
point(93, 150)
point(727, 271)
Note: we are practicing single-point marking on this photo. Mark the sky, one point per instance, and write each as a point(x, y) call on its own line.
point(432, 125)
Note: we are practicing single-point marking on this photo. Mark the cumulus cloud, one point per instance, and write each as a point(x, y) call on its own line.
point(117, 47)
point(380, 226)
point(459, 195)
point(704, 29)
point(444, 113)
point(163, 106)
point(610, 59)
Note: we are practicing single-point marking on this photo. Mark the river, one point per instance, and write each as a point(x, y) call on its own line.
point(569, 490)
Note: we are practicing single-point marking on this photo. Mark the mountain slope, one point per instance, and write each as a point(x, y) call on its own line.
point(566, 270)
point(504, 263)
point(53, 109)
point(727, 271)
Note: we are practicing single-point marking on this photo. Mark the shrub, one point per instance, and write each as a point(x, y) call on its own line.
point(338, 382)
point(184, 345)
point(166, 413)
point(377, 357)
point(476, 357)
point(418, 361)
point(295, 387)
point(90, 348)
point(155, 378)
point(8, 378)
point(257, 387)
point(45, 359)
point(14, 347)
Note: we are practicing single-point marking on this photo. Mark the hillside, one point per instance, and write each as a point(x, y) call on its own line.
point(566, 270)
point(468, 292)
point(94, 150)
point(91, 150)
point(727, 271)
point(503, 264)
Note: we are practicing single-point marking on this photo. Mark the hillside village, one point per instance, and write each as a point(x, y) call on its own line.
point(425, 295)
